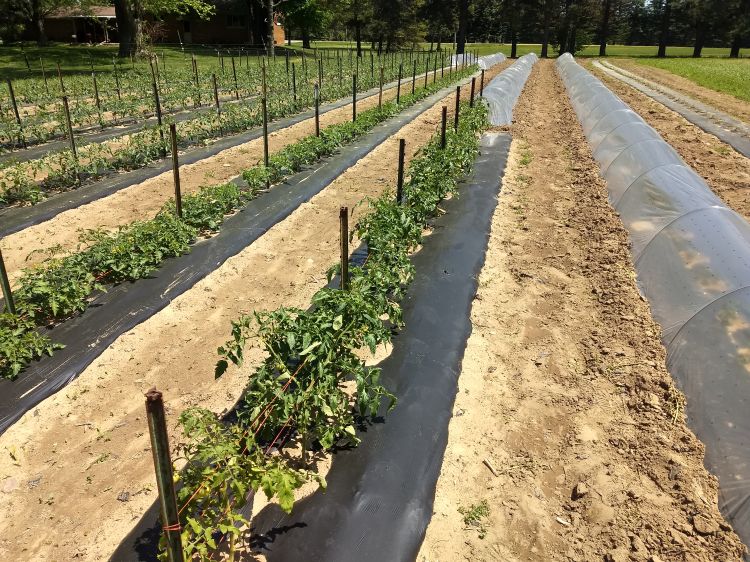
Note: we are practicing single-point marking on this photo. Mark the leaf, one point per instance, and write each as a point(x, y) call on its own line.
point(338, 322)
point(309, 348)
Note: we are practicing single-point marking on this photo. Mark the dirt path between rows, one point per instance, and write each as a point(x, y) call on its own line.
point(142, 201)
point(726, 171)
point(566, 421)
point(724, 102)
point(65, 463)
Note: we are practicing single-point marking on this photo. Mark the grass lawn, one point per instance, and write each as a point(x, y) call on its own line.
point(523, 48)
point(76, 59)
point(731, 76)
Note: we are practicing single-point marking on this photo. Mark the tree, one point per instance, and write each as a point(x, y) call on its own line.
point(740, 30)
point(546, 9)
point(666, 14)
point(310, 17)
point(130, 16)
point(604, 28)
point(463, 24)
point(36, 11)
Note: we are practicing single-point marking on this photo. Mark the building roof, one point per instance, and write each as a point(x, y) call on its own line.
point(90, 12)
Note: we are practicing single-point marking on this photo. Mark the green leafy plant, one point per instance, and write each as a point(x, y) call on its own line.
point(20, 344)
point(311, 354)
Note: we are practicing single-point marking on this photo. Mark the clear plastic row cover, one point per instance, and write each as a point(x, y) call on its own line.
point(488, 61)
point(468, 57)
point(503, 91)
point(692, 255)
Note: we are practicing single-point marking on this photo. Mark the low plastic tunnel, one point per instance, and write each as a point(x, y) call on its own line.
point(692, 256)
point(503, 91)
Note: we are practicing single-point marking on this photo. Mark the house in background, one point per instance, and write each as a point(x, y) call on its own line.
point(96, 25)
point(236, 22)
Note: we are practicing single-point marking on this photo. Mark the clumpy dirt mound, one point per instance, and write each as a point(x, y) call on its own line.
point(568, 440)
point(726, 171)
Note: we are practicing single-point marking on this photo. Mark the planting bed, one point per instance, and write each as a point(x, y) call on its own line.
point(566, 422)
point(725, 170)
point(279, 268)
point(535, 418)
point(728, 129)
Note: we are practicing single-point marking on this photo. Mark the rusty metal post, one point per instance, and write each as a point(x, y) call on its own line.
point(473, 87)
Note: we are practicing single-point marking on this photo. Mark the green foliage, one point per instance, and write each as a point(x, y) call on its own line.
point(474, 516)
point(311, 354)
point(62, 286)
point(224, 467)
point(20, 344)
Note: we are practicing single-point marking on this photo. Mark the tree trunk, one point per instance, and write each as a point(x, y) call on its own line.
point(734, 51)
point(289, 37)
point(513, 43)
point(604, 31)
point(463, 23)
point(305, 38)
point(700, 39)
point(564, 32)
point(545, 37)
point(41, 37)
point(269, 23)
point(664, 34)
point(358, 36)
point(126, 27)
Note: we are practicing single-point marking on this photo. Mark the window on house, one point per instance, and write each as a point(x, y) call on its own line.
point(235, 21)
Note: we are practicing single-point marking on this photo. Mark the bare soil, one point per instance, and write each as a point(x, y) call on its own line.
point(67, 463)
point(726, 171)
point(724, 102)
point(143, 201)
point(566, 421)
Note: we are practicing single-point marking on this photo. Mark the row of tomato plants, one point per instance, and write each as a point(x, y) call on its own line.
point(60, 287)
point(298, 392)
point(178, 90)
point(63, 171)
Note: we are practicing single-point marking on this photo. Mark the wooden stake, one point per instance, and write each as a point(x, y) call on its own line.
point(398, 87)
point(316, 95)
point(10, 306)
point(69, 125)
point(157, 104)
point(15, 111)
point(354, 97)
point(443, 127)
point(175, 170)
point(157, 428)
point(400, 177)
point(344, 242)
point(473, 87)
point(481, 85)
point(380, 93)
point(458, 106)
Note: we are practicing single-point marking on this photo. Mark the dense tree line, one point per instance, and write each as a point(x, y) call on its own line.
point(559, 25)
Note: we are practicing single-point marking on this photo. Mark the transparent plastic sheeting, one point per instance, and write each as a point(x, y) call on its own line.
point(503, 91)
point(471, 58)
point(692, 254)
point(489, 61)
